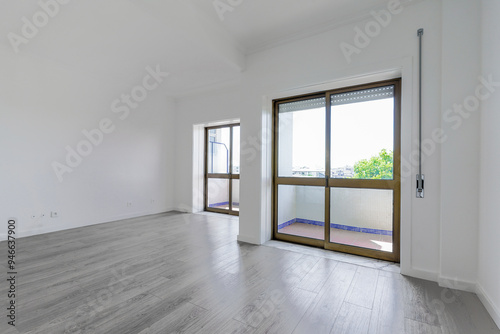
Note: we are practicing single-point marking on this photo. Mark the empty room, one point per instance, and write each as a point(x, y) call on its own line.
point(249, 166)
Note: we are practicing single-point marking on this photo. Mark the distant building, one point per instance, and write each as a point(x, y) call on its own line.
point(308, 172)
point(345, 172)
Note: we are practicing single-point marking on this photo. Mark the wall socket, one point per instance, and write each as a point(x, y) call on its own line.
point(54, 214)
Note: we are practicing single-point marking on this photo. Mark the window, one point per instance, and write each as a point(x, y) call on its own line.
point(336, 170)
point(222, 169)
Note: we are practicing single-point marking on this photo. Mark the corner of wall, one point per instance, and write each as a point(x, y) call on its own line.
point(249, 239)
point(453, 283)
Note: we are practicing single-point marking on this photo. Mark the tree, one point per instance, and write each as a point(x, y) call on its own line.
point(377, 167)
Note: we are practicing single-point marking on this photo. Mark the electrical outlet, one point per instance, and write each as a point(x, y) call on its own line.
point(54, 214)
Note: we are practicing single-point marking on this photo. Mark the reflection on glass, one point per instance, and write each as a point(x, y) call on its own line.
point(362, 217)
point(362, 134)
point(218, 193)
point(236, 150)
point(218, 151)
point(301, 151)
point(301, 211)
point(236, 194)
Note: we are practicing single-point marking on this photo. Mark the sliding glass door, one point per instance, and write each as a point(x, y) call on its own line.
point(336, 170)
point(222, 169)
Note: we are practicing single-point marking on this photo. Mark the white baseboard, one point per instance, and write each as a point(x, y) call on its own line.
point(185, 209)
point(139, 214)
point(419, 273)
point(451, 283)
point(248, 239)
point(444, 282)
point(40, 231)
point(490, 306)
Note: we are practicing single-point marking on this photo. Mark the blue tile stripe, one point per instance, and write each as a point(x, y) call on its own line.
point(336, 226)
point(310, 222)
point(214, 205)
point(285, 224)
point(361, 229)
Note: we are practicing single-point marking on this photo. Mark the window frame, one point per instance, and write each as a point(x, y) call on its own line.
point(229, 176)
point(328, 182)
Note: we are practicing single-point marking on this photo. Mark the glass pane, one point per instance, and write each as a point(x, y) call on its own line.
point(301, 151)
point(301, 211)
point(236, 195)
point(236, 150)
point(362, 217)
point(362, 134)
point(218, 151)
point(218, 193)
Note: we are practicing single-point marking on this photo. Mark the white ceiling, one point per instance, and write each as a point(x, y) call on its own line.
point(259, 24)
point(119, 38)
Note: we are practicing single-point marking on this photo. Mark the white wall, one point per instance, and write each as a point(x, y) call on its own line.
point(218, 191)
point(45, 106)
point(460, 152)
point(317, 60)
point(192, 116)
point(236, 191)
point(489, 227)
point(287, 203)
point(367, 208)
point(310, 203)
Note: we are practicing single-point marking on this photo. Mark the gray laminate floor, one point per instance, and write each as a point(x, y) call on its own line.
point(181, 273)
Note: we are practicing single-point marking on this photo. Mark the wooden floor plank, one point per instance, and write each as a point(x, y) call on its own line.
point(416, 327)
point(318, 276)
point(388, 307)
point(323, 312)
point(283, 311)
point(460, 312)
point(186, 273)
point(181, 320)
point(363, 287)
point(422, 298)
point(352, 319)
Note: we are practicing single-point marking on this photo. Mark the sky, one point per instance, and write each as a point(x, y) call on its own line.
point(359, 131)
point(223, 136)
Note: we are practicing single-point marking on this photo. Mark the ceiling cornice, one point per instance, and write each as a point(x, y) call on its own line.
point(320, 28)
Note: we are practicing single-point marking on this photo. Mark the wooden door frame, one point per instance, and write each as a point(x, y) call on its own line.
point(229, 176)
point(328, 182)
